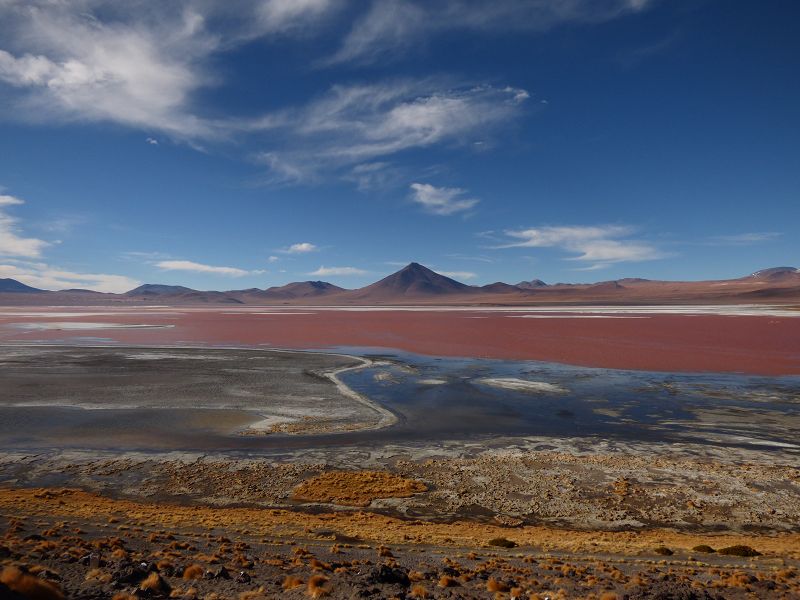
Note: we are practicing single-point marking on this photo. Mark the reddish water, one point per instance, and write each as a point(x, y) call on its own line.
point(765, 345)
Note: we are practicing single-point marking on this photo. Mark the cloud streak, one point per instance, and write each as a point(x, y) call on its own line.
point(353, 125)
point(44, 276)
point(194, 267)
point(392, 27)
point(441, 201)
point(11, 242)
point(745, 239)
point(602, 245)
point(300, 248)
point(465, 275)
point(132, 63)
point(337, 271)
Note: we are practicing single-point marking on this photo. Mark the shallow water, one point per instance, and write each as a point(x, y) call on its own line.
point(724, 409)
point(451, 399)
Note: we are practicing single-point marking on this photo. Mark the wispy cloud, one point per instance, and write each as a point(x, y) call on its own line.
point(352, 126)
point(469, 257)
point(337, 271)
point(44, 276)
point(458, 274)
point(441, 200)
point(194, 267)
point(745, 239)
point(300, 248)
point(132, 63)
point(391, 27)
point(145, 65)
point(19, 254)
point(601, 245)
point(11, 242)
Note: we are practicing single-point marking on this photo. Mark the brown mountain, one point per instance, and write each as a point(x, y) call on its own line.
point(12, 286)
point(498, 287)
point(412, 281)
point(304, 289)
point(533, 284)
point(416, 284)
point(778, 274)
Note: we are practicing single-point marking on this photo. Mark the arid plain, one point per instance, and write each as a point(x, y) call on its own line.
point(601, 451)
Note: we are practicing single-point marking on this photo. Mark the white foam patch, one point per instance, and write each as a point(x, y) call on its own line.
point(569, 316)
point(523, 385)
point(738, 310)
point(162, 356)
point(270, 313)
point(81, 326)
point(432, 381)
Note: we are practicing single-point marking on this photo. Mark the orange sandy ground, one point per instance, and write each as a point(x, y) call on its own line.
point(356, 488)
point(69, 504)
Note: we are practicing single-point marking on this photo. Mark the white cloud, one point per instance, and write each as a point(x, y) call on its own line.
point(273, 259)
point(287, 15)
point(300, 248)
point(133, 63)
point(392, 26)
point(11, 243)
point(441, 200)
point(602, 245)
point(47, 277)
point(375, 175)
point(77, 67)
point(145, 66)
point(458, 274)
point(6, 200)
point(352, 125)
point(188, 265)
point(337, 271)
point(483, 259)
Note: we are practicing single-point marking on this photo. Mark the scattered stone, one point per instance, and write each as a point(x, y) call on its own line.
point(392, 575)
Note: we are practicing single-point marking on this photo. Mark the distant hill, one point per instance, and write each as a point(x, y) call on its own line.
point(17, 287)
point(304, 289)
point(498, 287)
point(417, 284)
point(155, 289)
point(412, 281)
point(778, 274)
point(533, 284)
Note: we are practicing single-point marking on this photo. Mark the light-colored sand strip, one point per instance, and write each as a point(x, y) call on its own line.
point(82, 326)
point(571, 316)
point(387, 417)
point(739, 310)
point(522, 385)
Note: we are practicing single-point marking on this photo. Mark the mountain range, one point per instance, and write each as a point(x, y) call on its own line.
point(416, 284)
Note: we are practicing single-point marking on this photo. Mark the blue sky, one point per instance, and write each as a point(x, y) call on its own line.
point(225, 145)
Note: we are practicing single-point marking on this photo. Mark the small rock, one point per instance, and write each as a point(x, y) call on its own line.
point(243, 578)
point(391, 575)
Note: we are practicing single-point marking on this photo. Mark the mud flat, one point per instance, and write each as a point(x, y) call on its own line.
point(171, 393)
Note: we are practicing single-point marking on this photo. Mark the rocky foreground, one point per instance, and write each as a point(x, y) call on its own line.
point(67, 543)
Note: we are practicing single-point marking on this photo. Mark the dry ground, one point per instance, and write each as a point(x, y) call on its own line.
point(92, 546)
